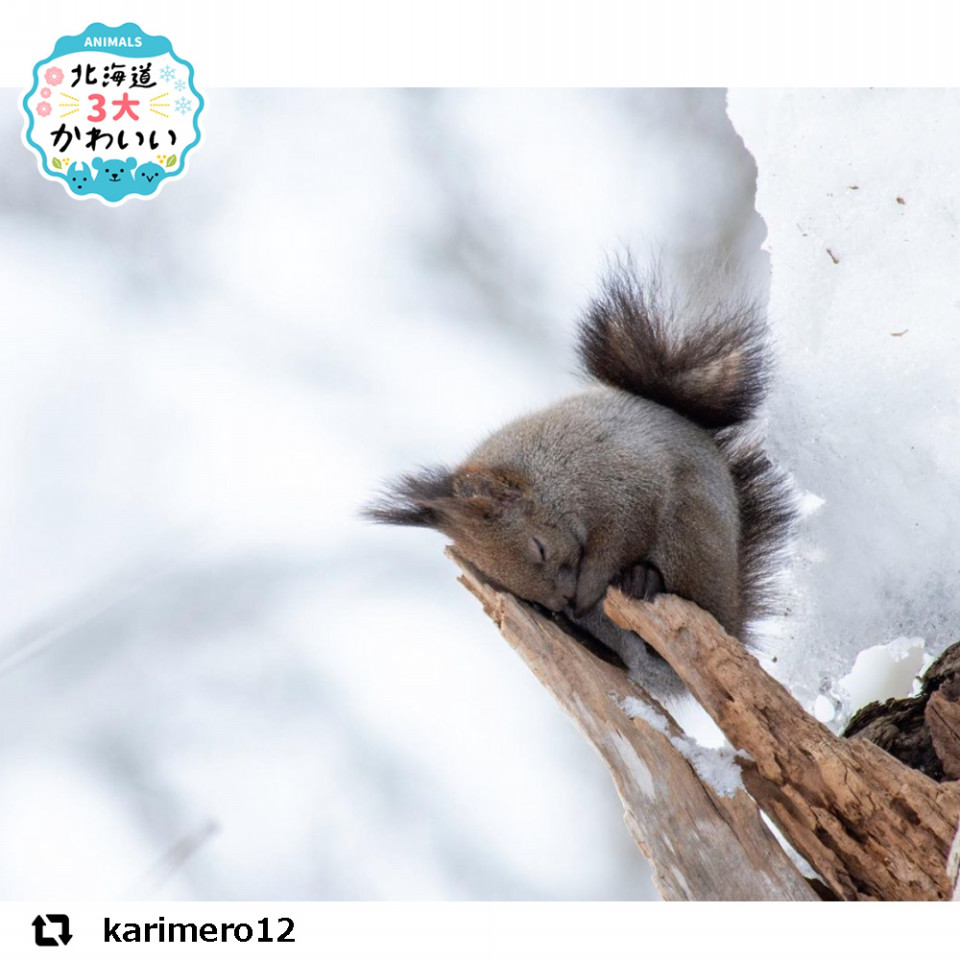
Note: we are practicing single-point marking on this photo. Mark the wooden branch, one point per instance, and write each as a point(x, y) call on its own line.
point(872, 827)
point(943, 720)
point(702, 846)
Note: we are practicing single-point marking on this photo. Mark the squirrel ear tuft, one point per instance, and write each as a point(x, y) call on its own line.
point(439, 498)
point(485, 493)
point(414, 499)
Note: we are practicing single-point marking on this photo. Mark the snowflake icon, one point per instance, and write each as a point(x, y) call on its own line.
point(180, 85)
point(183, 105)
point(167, 74)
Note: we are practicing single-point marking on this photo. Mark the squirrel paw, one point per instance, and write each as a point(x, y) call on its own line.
point(642, 581)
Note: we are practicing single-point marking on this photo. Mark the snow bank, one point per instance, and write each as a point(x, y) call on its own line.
point(860, 191)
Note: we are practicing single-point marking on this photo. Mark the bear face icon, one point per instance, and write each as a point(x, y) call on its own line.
point(114, 177)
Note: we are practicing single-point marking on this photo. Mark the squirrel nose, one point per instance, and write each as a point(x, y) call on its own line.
point(566, 600)
point(573, 610)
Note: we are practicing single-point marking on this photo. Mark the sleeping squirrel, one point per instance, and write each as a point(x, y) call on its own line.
point(647, 480)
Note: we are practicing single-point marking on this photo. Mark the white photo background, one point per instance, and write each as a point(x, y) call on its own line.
point(215, 682)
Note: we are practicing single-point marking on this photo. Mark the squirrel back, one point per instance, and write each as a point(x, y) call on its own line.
point(713, 367)
point(650, 480)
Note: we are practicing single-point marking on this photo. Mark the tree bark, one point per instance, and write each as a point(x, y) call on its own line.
point(872, 827)
point(702, 846)
point(922, 731)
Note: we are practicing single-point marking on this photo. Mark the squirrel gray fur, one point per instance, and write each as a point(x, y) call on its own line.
point(648, 480)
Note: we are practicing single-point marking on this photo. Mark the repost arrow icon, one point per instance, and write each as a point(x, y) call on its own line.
point(39, 923)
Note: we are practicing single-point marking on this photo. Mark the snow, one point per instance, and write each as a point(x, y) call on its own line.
point(638, 709)
point(883, 671)
point(860, 194)
point(824, 709)
point(716, 766)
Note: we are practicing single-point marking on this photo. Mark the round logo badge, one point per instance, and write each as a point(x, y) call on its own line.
point(112, 113)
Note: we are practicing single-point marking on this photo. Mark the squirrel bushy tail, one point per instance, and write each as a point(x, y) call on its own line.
point(768, 515)
point(714, 370)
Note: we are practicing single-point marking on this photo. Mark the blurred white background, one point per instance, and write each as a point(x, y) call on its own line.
point(215, 682)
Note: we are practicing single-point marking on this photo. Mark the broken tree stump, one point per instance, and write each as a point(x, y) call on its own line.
point(702, 846)
point(871, 827)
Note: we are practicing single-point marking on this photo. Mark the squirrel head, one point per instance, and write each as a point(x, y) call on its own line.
point(497, 523)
